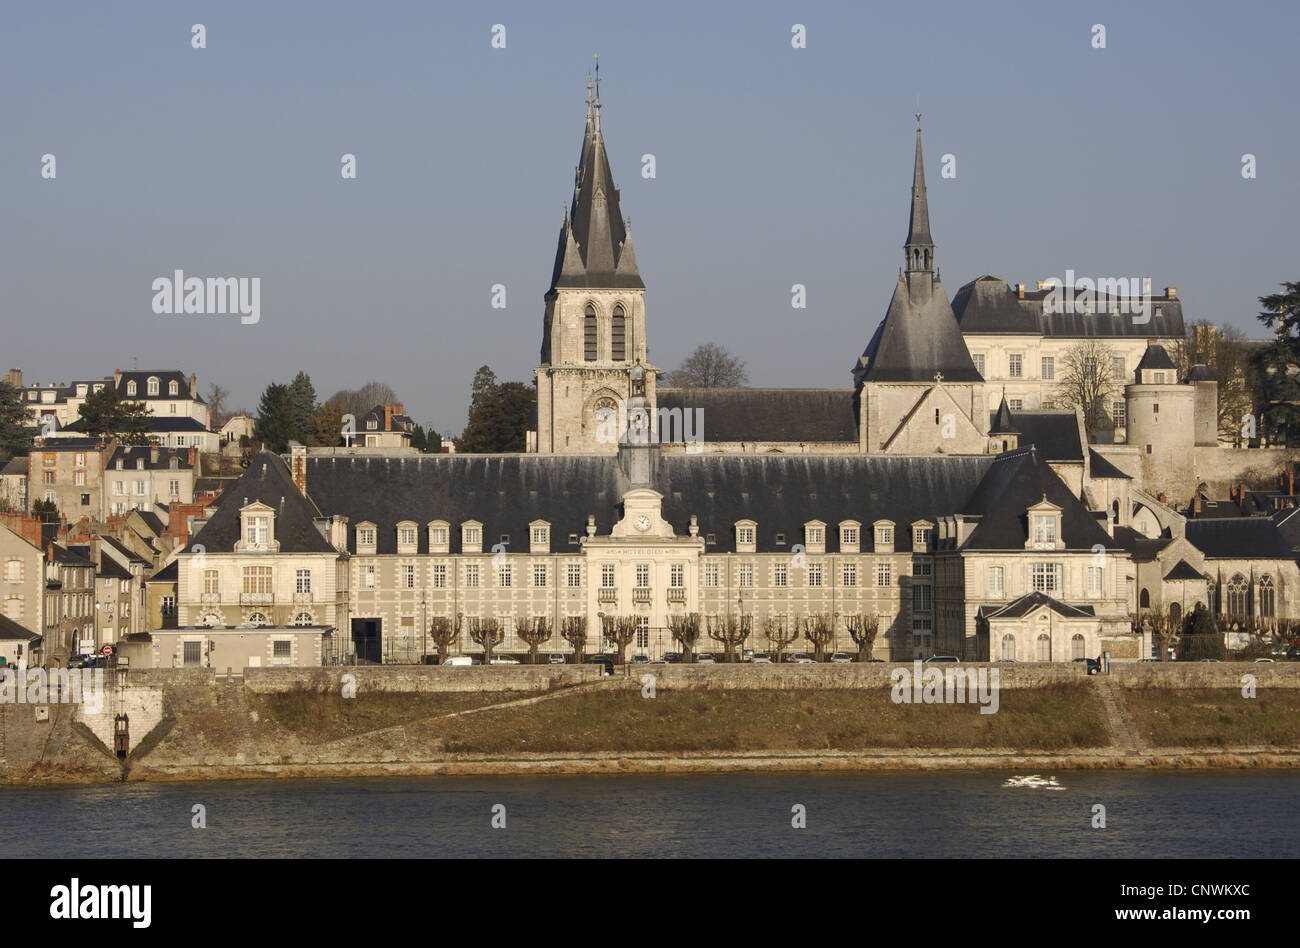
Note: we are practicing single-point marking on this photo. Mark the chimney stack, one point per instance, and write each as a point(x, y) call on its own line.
point(1196, 504)
point(1020, 291)
point(1171, 292)
point(153, 454)
point(388, 416)
point(194, 385)
point(298, 466)
point(117, 377)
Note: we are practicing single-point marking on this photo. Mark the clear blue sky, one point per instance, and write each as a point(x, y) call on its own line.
point(774, 166)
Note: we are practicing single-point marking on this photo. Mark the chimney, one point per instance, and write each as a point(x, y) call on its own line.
point(298, 466)
point(14, 377)
point(1040, 284)
point(194, 385)
point(1196, 504)
point(388, 416)
point(153, 454)
point(1171, 292)
point(117, 377)
point(1020, 291)
point(399, 410)
point(192, 456)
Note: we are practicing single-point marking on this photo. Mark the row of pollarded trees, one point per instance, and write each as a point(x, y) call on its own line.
point(1199, 634)
point(730, 632)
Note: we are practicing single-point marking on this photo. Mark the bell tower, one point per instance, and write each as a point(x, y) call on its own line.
point(593, 330)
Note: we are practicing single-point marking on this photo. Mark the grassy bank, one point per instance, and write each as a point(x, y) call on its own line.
point(1215, 717)
point(321, 717)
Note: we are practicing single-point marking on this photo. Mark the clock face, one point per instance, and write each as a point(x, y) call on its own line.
point(643, 523)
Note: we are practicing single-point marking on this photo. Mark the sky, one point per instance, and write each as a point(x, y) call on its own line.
point(774, 165)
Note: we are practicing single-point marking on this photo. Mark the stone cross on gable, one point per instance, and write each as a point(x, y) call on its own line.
point(938, 376)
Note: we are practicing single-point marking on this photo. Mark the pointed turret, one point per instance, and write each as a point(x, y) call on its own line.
point(594, 248)
point(919, 246)
point(1002, 421)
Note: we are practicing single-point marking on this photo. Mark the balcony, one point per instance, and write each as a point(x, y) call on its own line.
point(607, 594)
point(677, 594)
point(302, 597)
point(641, 594)
point(256, 599)
point(210, 598)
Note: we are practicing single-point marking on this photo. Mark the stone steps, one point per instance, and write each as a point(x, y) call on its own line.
point(1123, 734)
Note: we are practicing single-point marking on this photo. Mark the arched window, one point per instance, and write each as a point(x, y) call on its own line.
point(1176, 612)
point(589, 334)
point(1009, 647)
point(1237, 600)
point(1076, 646)
point(618, 336)
point(173, 388)
point(1267, 597)
point(258, 618)
point(302, 618)
point(153, 385)
point(1044, 648)
point(1144, 599)
point(130, 387)
point(1211, 594)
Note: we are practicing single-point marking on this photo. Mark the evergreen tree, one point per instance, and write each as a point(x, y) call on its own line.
point(498, 415)
point(276, 424)
point(16, 432)
point(327, 425)
point(1201, 636)
point(302, 398)
point(1281, 389)
point(103, 413)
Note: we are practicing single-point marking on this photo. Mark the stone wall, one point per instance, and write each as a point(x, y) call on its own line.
point(421, 678)
point(1205, 674)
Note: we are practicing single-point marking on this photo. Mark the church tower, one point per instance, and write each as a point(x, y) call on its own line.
point(593, 331)
point(916, 389)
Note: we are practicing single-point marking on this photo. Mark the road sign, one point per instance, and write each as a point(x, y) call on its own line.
point(107, 650)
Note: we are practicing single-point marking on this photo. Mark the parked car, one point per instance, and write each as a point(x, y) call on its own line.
point(640, 659)
point(706, 658)
point(659, 661)
point(935, 659)
point(460, 660)
point(555, 659)
point(1094, 666)
point(80, 661)
point(761, 658)
point(841, 658)
point(672, 658)
point(604, 661)
point(801, 658)
point(1268, 660)
point(503, 660)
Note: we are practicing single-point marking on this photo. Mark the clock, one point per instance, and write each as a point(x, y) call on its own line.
point(643, 523)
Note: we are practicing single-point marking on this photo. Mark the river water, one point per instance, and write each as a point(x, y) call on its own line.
point(877, 815)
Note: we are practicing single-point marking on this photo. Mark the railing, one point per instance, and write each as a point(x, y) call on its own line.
point(676, 595)
point(302, 597)
point(607, 595)
point(210, 598)
point(641, 594)
point(256, 598)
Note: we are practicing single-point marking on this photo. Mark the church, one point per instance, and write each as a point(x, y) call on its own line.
point(900, 502)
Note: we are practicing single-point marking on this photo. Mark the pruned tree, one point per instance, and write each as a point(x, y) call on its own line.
point(1086, 380)
point(730, 632)
point(534, 632)
point(779, 634)
point(1165, 629)
point(710, 366)
point(573, 629)
point(445, 632)
point(1223, 350)
point(863, 629)
point(620, 630)
point(820, 631)
point(216, 399)
point(686, 632)
point(487, 634)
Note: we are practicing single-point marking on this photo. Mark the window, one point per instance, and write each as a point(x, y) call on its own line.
point(438, 537)
point(1094, 580)
point(14, 571)
point(1014, 368)
point(849, 574)
point(140, 488)
point(173, 388)
point(192, 652)
point(884, 536)
point(130, 388)
point(119, 489)
point(1015, 404)
point(642, 631)
point(1076, 646)
point(406, 537)
point(815, 535)
point(472, 538)
point(169, 606)
point(281, 648)
point(366, 537)
point(1118, 414)
point(1238, 598)
point(574, 575)
point(302, 618)
point(815, 574)
point(1049, 367)
point(471, 575)
point(606, 575)
point(1044, 648)
point(618, 336)
point(49, 477)
point(1045, 577)
point(153, 385)
point(995, 582)
point(884, 574)
point(676, 576)
point(408, 576)
point(539, 575)
point(302, 581)
point(711, 574)
point(746, 575)
point(505, 576)
point(211, 582)
point(257, 580)
point(589, 334)
point(921, 537)
point(922, 597)
point(1267, 597)
point(1045, 531)
point(745, 536)
point(1117, 367)
point(541, 536)
point(979, 363)
point(849, 538)
point(1009, 647)
point(174, 488)
point(439, 575)
point(780, 574)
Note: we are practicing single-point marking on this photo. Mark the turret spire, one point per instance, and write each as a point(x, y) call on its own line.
point(919, 247)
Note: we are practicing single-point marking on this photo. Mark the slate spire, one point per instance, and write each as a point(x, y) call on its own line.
point(594, 250)
point(919, 246)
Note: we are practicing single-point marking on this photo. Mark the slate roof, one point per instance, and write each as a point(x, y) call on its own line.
point(1182, 570)
point(1239, 538)
point(117, 545)
point(156, 423)
point(1155, 357)
point(11, 631)
point(152, 521)
point(507, 492)
point(765, 414)
point(168, 574)
point(69, 556)
point(1201, 373)
point(1026, 604)
point(988, 305)
point(1018, 480)
point(1054, 433)
point(130, 456)
point(1002, 423)
point(15, 466)
point(918, 222)
point(267, 480)
point(165, 377)
point(1100, 467)
point(595, 249)
point(917, 338)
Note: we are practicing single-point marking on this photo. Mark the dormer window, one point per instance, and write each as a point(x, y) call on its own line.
point(814, 536)
point(372, 424)
point(130, 388)
point(407, 537)
point(257, 529)
point(153, 385)
point(539, 534)
point(884, 532)
point(922, 536)
point(745, 531)
point(173, 388)
point(471, 537)
point(1044, 526)
point(439, 536)
point(367, 535)
point(849, 536)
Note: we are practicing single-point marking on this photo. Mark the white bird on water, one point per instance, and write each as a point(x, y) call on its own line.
point(1034, 780)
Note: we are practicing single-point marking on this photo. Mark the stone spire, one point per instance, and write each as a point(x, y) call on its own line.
point(919, 246)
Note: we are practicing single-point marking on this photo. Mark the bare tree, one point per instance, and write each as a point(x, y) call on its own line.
point(730, 632)
point(1086, 380)
point(445, 632)
point(819, 630)
point(535, 632)
point(620, 630)
point(488, 634)
point(1164, 628)
point(1223, 350)
point(710, 366)
point(686, 632)
point(216, 400)
point(358, 401)
point(863, 629)
point(573, 629)
point(780, 633)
